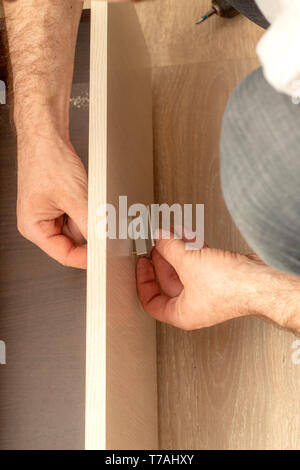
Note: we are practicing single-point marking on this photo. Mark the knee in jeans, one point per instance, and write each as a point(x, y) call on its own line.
point(259, 187)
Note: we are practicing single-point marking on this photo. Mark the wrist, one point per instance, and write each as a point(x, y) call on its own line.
point(41, 106)
point(274, 295)
point(51, 122)
point(48, 144)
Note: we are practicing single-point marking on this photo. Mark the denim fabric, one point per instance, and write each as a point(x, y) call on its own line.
point(260, 170)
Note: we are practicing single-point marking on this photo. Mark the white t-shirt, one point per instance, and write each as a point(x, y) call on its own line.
point(279, 48)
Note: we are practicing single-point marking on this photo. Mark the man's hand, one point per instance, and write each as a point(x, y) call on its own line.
point(53, 199)
point(197, 289)
point(52, 182)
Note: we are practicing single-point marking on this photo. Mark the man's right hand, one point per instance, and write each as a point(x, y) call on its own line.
point(201, 288)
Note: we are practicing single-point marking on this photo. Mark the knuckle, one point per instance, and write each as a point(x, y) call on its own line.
point(171, 253)
point(167, 248)
point(186, 263)
point(22, 228)
point(187, 315)
point(64, 261)
point(182, 320)
point(183, 326)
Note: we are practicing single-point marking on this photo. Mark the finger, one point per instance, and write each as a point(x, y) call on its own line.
point(170, 248)
point(256, 258)
point(157, 305)
point(166, 275)
point(192, 242)
point(78, 212)
point(71, 230)
point(58, 246)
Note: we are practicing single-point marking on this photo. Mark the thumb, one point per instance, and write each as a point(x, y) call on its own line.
point(78, 212)
point(71, 230)
point(170, 248)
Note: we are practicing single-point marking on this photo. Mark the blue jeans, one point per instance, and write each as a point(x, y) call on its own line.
point(260, 170)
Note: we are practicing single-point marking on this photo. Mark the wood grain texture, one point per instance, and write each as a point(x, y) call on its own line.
point(42, 309)
point(121, 386)
point(95, 435)
point(232, 386)
point(173, 38)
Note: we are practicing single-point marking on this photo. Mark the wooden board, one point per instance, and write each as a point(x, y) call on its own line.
point(173, 38)
point(121, 388)
point(232, 386)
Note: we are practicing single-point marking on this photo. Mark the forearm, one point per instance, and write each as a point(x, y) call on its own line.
point(276, 296)
point(42, 38)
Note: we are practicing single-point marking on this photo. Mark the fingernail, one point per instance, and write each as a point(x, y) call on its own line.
point(195, 245)
point(142, 261)
point(189, 234)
